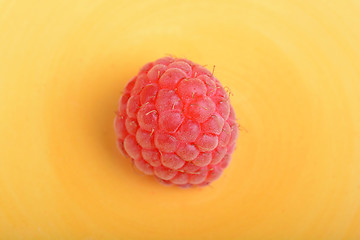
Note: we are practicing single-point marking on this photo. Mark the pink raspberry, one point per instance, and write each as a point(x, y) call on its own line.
point(175, 122)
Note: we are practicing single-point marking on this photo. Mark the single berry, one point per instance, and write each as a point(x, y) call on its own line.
point(175, 122)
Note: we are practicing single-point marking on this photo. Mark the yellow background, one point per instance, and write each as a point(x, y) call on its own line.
point(294, 71)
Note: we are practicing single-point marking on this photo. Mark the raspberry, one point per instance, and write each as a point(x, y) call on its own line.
point(175, 122)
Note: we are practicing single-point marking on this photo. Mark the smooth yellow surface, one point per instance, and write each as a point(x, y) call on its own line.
point(293, 68)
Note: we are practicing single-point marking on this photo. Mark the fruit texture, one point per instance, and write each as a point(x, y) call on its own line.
point(175, 122)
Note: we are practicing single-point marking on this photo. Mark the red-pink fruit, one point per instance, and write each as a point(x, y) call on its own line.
point(175, 122)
